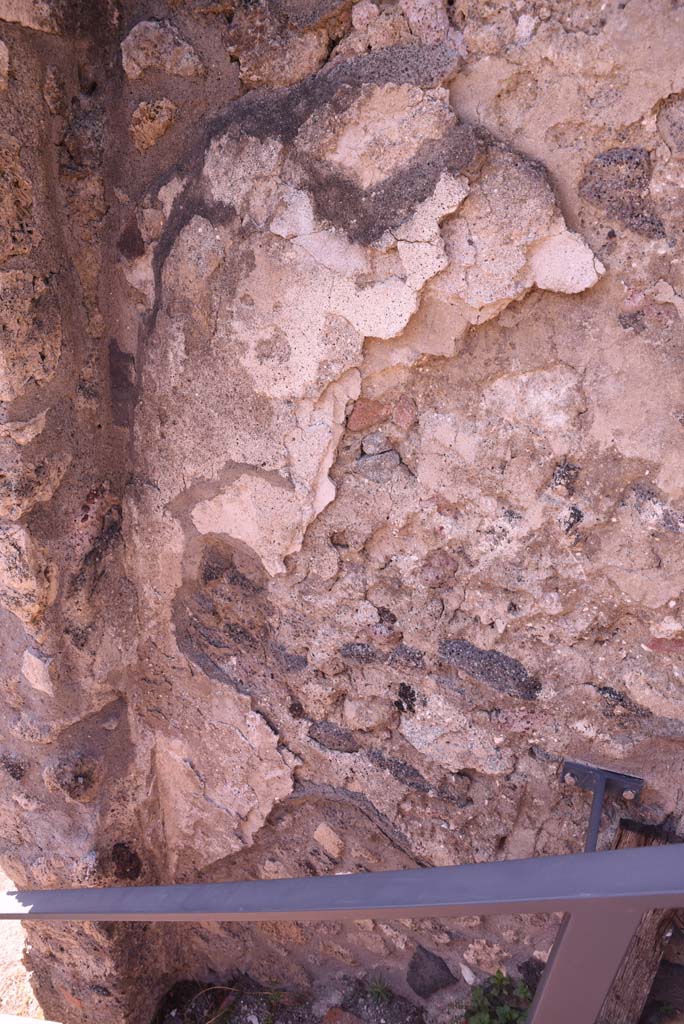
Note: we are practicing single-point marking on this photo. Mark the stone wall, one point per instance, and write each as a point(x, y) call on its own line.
point(342, 450)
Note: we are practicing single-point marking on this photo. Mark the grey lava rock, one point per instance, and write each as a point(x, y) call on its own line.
point(428, 973)
point(378, 468)
point(498, 670)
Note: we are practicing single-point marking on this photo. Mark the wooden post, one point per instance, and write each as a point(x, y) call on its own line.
point(630, 990)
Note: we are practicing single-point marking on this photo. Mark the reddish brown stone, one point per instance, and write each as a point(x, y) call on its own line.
point(404, 412)
point(367, 413)
point(666, 645)
point(336, 1015)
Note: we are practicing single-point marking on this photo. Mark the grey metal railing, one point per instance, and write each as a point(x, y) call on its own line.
point(603, 896)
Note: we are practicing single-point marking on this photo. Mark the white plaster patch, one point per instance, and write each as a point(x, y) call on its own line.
point(312, 449)
point(329, 840)
point(218, 787)
point(294, 214)
point(564, 263)
point(35, 669)
point(265, 515)
point(333, 250)
point(456, 741)
point(245, 174)
point(508, 237)
point(546, 401)
point(380, 132)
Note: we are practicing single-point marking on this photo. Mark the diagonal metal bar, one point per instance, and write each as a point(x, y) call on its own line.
point(584, 961)
point(637, 879)
point(595, 815)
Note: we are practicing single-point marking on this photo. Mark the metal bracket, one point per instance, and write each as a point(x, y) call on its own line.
point(600, 781)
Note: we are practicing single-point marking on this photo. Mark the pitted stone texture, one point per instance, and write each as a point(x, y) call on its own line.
point(379, 133)
point(219, 782)
point(32, 337)
point(4, 65)
point(25, 483)
point(24, 432)
point(17, 231)
point(492, 667)
point(617, 181)
point(158, 46)
point(455, 741)
point(150, 121)
point(27, 581)
point(289, 297)
point(41, 15)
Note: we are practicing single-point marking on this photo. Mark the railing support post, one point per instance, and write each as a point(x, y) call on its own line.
point(584, 961)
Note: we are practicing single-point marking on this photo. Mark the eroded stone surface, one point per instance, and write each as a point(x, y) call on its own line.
point(24, 432)
point(150, 121)
point(16, 202)
point(41, 15)
point(300, 356)
point(207, 813)
point(31, 332)
point(25, 483)
point(273, 54)
point(27, 581)
point(4, 65)
point(342, 458)
point(157, 45)
point(35, 669)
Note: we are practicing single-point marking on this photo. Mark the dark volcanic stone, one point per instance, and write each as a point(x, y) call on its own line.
point(333, 737)
point(633, 321)
point(378, 468)
point(407, 698)
point(365, 654)
point(617, 182)
point(531, 972)
point(428, 973)
point(491, 667)
point(405, 655)
point(400, 770)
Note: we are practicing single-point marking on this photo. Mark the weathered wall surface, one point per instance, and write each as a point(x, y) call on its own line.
point(342, 490)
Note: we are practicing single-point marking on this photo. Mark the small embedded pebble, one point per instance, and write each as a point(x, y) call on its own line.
point(378, 468)
point(375, 443)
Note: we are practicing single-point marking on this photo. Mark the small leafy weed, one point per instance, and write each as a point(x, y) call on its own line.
point(499, 1001)
point(379, 991)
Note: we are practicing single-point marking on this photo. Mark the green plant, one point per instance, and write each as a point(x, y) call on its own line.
point(378, 990)
point(276, 998)
point(499, 1001)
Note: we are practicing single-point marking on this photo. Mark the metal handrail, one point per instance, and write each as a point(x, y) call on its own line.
point(603, 895)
